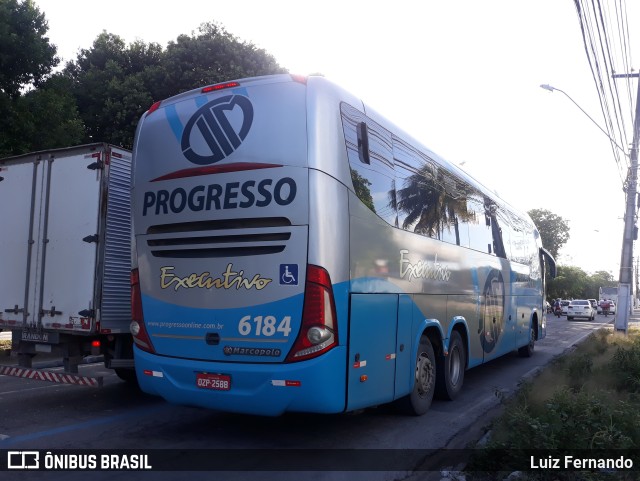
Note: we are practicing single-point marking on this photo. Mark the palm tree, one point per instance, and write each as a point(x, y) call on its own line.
point(433, 203)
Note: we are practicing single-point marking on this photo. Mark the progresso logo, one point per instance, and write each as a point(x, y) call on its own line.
point(231, 195)
point(217, 129)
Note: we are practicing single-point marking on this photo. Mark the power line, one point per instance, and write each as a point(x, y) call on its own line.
point(605, 37)
point(623, 31)
point(610, 69)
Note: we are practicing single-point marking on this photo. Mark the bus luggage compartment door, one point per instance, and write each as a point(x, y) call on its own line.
point(372, 341)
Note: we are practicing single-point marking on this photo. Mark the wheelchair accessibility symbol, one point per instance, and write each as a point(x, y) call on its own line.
point(289, 274)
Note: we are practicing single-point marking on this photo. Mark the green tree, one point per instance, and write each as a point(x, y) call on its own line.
point(554, 230)
point(12, 140)
point(212, 55)
point(570, 283)
point(49, 115)
point(600, 279)
point(115, 83)
point(26, 56)
point(574, 283)
point(112, 88)
point(42, 118)
point(31, 113)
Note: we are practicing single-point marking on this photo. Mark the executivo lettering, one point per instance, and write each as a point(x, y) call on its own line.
point(422, 269)
point(228, 280)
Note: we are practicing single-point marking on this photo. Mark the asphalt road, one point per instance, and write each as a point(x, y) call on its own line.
point(43, 416)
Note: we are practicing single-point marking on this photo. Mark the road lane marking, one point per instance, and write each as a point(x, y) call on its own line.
point(138, 412)
point(48, 386)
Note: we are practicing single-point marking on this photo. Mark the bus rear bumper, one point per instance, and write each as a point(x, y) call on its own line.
point(316, 385)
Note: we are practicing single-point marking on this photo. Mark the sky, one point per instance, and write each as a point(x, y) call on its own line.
point(461, 76)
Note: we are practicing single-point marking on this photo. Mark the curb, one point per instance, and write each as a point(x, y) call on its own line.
point(479, 432)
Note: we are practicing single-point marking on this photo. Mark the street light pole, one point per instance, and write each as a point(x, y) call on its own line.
point(553, 89)
point(623, 309)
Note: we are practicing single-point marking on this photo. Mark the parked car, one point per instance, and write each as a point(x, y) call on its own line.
point(580, 308)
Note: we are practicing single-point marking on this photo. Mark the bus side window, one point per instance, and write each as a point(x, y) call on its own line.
point(414, 188)
point(373, 181)
point(454, 207)
point(518, 246)
point(504, 225)
point(480, 235)
point(431, 200)
point(496, 230)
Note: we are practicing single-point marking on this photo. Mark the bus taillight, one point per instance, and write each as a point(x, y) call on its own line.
point(137, 328)
point(222, 86)
point(299, 78)
point(319, 330)
point(154, 107)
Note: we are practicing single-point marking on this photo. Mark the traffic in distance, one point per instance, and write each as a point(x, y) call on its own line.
point(582, 308)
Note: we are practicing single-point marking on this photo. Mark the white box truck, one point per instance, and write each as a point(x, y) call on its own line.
point(610, 293)
point(65, 256)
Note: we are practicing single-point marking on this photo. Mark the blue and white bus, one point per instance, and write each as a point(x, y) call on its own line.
point(295, 251)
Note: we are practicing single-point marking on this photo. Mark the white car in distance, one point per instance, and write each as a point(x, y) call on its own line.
point(580, 308)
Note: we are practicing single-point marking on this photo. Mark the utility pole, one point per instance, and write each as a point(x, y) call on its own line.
point(623, 309)
point(636, 282)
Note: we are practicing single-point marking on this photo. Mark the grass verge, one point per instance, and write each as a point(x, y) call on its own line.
point(585, 405)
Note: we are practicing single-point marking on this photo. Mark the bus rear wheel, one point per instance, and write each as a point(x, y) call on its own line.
point(419, 401)
point(452, 366)
point(527, 351)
